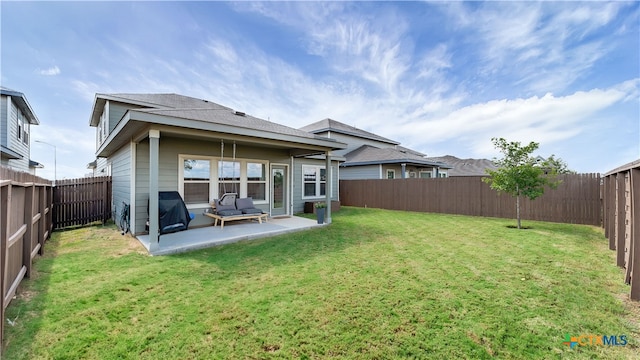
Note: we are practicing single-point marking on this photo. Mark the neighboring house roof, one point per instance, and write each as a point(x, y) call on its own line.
point(21, 102)
point(35, 164)
point(330, 125)
point(467, 167)
point(370, 155)
point(190, 113)
point(411, 151)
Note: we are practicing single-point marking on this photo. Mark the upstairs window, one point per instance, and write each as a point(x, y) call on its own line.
point(20, 118)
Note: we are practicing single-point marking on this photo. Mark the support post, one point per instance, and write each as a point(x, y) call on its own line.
point(404, 170)
point(328, 187)
point(154, 163)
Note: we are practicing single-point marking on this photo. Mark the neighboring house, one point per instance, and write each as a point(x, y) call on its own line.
point(168, 142)
point(467, 167)
point(370, 156)
point(16, 118)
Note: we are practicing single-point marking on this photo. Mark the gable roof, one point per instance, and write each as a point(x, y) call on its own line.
point(330, 125)
point(467, 167)
point(185, 112)
point(21, 101)
point(371, 155)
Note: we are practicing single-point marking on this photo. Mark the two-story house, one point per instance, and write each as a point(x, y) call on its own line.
point(16, 118)
point(370, 156)
point(169, 142)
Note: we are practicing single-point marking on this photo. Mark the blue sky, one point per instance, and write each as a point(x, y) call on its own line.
point(439, 77)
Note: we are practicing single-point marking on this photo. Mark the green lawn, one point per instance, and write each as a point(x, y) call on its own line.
point(375, 284)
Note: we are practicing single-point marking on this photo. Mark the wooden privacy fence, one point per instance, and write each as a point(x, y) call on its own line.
point(576, 200)
point(25, 223)
point(78, 202)
point(622, 220)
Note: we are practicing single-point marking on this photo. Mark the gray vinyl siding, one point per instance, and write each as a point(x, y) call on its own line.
point(298, 201)
point(170, 149)
point(12, 141)
point(3, 121)
point(101, 167)
point(121, 179)
point(116, 112)
point(360, 172)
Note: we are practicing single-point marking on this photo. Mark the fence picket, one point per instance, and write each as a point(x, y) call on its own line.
point(577, 199)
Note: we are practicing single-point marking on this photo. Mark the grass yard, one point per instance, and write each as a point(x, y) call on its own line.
point(375, 284)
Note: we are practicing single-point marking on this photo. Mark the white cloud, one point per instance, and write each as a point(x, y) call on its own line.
point(547, 118)
point(535, 42)
point(52, 71)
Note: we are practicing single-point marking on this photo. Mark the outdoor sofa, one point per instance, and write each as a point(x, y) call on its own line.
point(240, 209)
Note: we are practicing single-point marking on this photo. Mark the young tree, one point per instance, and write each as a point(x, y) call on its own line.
point(517, 173)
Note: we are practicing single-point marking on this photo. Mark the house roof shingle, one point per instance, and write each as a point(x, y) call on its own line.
point(336, 126)
point(201, 115)
point(466, 167)
point(367, 155)
point(21, 101)
point(186, 107)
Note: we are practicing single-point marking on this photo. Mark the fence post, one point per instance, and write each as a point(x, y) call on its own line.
point(634, 256)
point(27, 242)
point(620, 216)
point(5, 200)
point(42, 225)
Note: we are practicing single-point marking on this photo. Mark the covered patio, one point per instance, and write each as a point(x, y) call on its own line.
point(210, 236)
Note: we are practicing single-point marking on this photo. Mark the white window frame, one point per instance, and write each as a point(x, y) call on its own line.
point(426, 172)
point(20, 121)
point(443, 174)
point(318, 181)
point(212, 163)
point(265, 175)
point(391, 171)
point(214, 180)
point(102, 125)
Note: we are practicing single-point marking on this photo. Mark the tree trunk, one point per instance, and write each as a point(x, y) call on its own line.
point(518, 209)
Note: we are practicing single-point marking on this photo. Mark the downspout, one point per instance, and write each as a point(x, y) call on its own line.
point(404, 170)
point(290, 176)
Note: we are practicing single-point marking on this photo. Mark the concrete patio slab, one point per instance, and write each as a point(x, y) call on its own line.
point(236, 231)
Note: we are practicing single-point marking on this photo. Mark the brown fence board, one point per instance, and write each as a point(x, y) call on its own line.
point(82, 201)
point(24, 220)
point(577, 199)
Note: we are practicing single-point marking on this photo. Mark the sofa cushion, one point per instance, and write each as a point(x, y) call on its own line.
point(220, 207)
point(244, 203)
point(251, 211)
point(229, 212)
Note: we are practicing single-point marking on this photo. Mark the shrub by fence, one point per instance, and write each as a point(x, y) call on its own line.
point(622, 220)
point(576, 200)
point(26, 222)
